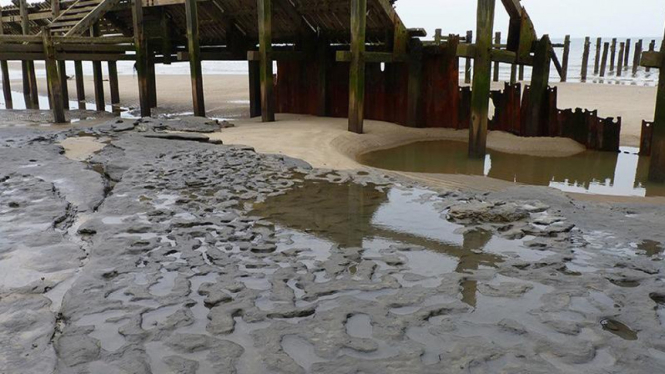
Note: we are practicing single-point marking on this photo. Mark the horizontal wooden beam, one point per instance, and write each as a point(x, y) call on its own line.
point(371, 57)
point(278, 55)
point(26, 56)
point(32, 17)
point(497, 55)
point(212, 56)
point(652, 60)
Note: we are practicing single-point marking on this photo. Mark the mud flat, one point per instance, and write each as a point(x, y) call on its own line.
point(165, 251)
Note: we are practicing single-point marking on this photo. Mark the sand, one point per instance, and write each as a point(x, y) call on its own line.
point(81, 148)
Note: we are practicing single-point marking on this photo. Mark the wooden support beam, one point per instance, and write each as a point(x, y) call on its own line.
point(657, 162)
point(467, 62)
point(637, 57)
point(357, 66)
point(4, 68)
point(539, 82)
point(622, 49)
point(627, 55)
point(480, 92)
point(414, 87)
point(521, 73)
point(98, 75)
point(152, 80)
point(254, 89)
point(265, 65)
point(603, 63)
point(80, 86)
point(564, 60)
point(322, 77)
point(651, 59)
point(113, 84)
point(141, 57)
point(30, 92)
point(596, 65)
point(497, 42)
point(613, 52)
point(53, 79)
point(585, 59)
point(196, 72)
point(275, 56)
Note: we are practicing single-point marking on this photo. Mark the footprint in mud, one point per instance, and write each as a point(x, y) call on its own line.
point(619, 329)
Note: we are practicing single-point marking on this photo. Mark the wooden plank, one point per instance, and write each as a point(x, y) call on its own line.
point(357, 66)
point(480, 93)
point(98, 76)
point(141, 57)
point(564, 60)
point(20, 39)
point(652, 59)
point(657, 162)
point(4, 68)
point(585, 59)
point(93, 40)
point(53, 79)
point(265, 64)
point(80, 86)
point(113, 84)
point(539, 84)
point(91, 17)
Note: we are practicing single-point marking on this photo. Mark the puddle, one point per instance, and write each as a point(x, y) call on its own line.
point(301, 351)
point(165, 284)
point(106, 328)
point(81, 148)
point(605, 173)
point(619, 329)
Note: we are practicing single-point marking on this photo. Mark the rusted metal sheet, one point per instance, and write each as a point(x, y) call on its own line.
point(440, 86)
point(507, 112)
point(464, 114)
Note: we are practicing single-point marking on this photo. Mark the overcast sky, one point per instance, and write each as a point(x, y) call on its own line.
point(579, 18)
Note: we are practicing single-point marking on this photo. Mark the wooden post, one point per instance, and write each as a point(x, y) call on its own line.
point(4, 67)
point(521, 73)
point(265, 63)
point(357, 72)
point(585, 59)
point(113, 84)
point(622, 48)
point(53, 79)
point(437, 36)
point(539, 82)
point(467, 63)
point(254, 89)
point(657, 163)
point(497, 43)
point(613, 51)
point(62, 68)
point(195, 69)
point(152, 79)
point(513, 74)
point(98, 75)
point(322, 77)
point(566, 56)
point(415, 84)
point(30, 92)
point(638, 57)
point(480, 92)
point(603, 63)
point(626, 54)
point(80, 86)
point(596, 66)
point(652, 47)
point(141, 46)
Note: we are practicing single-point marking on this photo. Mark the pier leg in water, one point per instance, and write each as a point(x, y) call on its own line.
point(480, 92)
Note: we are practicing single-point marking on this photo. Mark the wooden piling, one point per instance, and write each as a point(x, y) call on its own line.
point(80, 86)
point(30, 92)
point(62, 75)
point(596, 65)
point(613, 51)
point(521, 73)
point(622, 49)
point(114, 86)
point(564, 60)
point(585, 59)
point(98, 75)
point(513, 74)
point(141, 46)
point(626, 54)
point(538, 89)
point(53, 79)
point(357, 72)
point(480, 92)
point(152, 79)
point(254, 89)
point(652, 47)
point(265, 51)
point(467, 63)
point(637, 57)
point(414, 87)
point(657, 162)
point(603, 63)
point(437, 36)
point(195, 69)
point(322, 77)
point(497, 45)
point(6, 83)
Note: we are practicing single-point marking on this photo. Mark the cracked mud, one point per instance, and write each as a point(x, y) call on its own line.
point(159, 252)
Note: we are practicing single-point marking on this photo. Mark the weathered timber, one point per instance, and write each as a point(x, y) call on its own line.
point(652, 48)
point(254, 89)
point(4, 68)
point(627, 54)
point(564, 59)
point(613, 53)
point(603, 64)
point(467, 62)
point(481, 79)
point(585, 59)
point(513, 74)
point(596, 65)
point(62, 74)
point(80, 86)
point(413, 118)
point(322, 77)
point(437, 36)
point(30, 92)
point(98, 76)
point(152, 80)
point(114, 86)
point(539, 84)
point(497, 43)
point(265, 64)
point(657, 163)
point(521, 73)
point(141, 57)
point(637, 57)
point(195, 69)
point(357, 66)
point(53, 79)
point(622, 50)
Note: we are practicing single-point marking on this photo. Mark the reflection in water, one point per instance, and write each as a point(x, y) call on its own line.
point(606, 173)
point(650, 247)
point(351, 215)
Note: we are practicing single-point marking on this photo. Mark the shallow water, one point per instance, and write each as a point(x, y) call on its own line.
point(605, 173)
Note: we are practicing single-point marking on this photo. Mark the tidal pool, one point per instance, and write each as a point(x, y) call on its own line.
point(606, 173)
